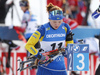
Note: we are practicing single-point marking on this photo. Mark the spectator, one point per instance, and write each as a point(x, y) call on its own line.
point(80, 18)
point(29, 25)
point(59, 3)
point(73, 7)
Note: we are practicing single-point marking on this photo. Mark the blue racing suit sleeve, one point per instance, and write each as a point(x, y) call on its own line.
point(69, 34)
point(68, 28)
point(41, 29)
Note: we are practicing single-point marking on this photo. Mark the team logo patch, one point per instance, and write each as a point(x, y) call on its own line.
point(58, 18)
point(47, 28)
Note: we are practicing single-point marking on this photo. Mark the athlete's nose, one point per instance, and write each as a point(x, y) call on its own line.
point(56, 24)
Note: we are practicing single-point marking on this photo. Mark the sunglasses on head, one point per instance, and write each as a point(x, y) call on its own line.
point(56, 12)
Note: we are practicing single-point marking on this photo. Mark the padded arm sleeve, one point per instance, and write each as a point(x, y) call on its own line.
point(69, 35)
point(31, 43)
point(69, 38)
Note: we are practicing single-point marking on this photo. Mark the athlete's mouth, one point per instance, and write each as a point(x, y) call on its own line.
point(56, 27)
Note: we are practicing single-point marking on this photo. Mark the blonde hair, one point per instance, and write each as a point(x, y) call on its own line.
point(51, 7)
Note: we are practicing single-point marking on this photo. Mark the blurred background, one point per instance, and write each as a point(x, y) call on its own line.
point(77, 11)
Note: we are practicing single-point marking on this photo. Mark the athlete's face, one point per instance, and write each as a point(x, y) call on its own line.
point(23, 8)
point(55, 23)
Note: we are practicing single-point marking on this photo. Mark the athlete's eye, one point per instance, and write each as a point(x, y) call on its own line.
point(59, 21)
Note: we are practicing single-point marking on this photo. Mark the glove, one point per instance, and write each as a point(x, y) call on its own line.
point(43, 59)
point(65, 53)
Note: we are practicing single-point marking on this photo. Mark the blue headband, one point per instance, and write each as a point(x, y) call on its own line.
point(56, 15)
point(23, 3)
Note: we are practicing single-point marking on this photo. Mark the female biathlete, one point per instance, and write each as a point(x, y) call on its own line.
point(51, 35)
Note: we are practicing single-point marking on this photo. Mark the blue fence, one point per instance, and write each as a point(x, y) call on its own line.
point(8, 34)
point(80, 33)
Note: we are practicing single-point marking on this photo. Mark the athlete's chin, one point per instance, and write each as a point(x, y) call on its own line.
point(55, 27)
